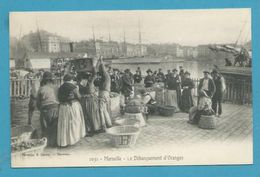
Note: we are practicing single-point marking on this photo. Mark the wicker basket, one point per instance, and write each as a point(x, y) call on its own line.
point(133, 122)
point(123, 136)
point(207, 122)
point(166, 111)
point(33, 150)
point(21, 133)
point(137, 116)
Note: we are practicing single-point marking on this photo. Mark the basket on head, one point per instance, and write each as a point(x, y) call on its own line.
point(123, 136)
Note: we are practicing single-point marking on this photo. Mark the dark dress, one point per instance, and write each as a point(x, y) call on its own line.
point(173, 83)
point(160, 77)
point(218, 96)
point(137, 78)
point(149, 81)
point(126, 85)
point(115, 83)
point(186, 98)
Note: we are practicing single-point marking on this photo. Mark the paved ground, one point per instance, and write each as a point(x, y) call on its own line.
point(234, 125)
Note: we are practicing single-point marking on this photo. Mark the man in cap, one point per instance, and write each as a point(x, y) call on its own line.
point(207, 85)
point(218, 95)
point(149, 79)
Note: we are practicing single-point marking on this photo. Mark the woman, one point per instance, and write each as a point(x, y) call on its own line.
point(71, 125)
point(90, 104)
point(149, 80)
point(82, 84)
point(187, 98)
point(47, 103)
point(173, 88)
point(203, 108)
point(104, 97)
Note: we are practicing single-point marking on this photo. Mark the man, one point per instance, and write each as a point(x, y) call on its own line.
point(160, 76)
point(168, 74)
point(218, 95)
point(149, 79)
point(115, 81)
point(127, 84)
point(207, 85)
point(137, 77)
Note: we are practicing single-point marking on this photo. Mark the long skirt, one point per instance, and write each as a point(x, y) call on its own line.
point(186, 100)
point(91, 113)
point(104, 109)
point(49, 120)
point(171, 99)
point(71, 125)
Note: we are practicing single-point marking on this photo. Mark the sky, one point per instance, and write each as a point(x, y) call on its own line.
point(186, 27)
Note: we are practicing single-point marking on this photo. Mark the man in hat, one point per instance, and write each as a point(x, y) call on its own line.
point(115, 81)
point(207, 85)
point(160, 75)
point(149, 79)
point(137, 77)
point(218, 95)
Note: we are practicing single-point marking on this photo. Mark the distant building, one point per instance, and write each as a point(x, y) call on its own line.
point(162, 49)
point(132, 50)
point(107, 49)
point(204, 51)
point(85, 47)
point(179, 51)
point(43, 41)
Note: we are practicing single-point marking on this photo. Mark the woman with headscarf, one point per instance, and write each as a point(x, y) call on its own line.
point(47, 103)
point(204, 108)
point(71, 124)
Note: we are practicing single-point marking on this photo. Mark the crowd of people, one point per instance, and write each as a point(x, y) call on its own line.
point(81, 105)
point(75, 109)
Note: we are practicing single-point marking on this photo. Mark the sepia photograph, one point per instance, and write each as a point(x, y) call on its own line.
point(131, 88)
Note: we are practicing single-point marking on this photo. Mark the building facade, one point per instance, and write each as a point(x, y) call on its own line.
point(43, 41)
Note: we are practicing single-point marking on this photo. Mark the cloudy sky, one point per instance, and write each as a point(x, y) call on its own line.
point(186, 27)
